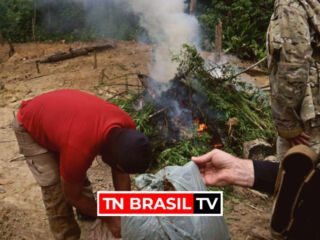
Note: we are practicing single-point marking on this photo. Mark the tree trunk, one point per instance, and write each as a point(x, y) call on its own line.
point(218, 41)
point(193, 4)
point(34, 20)
point(2, 41)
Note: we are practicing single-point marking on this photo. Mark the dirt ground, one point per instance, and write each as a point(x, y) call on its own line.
point(22, 214)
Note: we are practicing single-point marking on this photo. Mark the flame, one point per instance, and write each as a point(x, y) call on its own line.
point(202, 127)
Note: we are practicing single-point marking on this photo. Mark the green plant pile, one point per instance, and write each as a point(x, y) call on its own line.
point(165, 153)
point(245, 23)
point(227, 97)
point(181, 153)
point(230, 98)
point(141, 117)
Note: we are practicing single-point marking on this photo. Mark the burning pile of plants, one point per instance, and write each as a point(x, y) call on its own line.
point(203, 107)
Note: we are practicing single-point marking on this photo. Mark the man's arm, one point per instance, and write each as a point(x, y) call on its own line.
point(289, 52)
point(219, 168)
point(121, 180)
point(265, 175)
point(73, 194)
point(86, 205)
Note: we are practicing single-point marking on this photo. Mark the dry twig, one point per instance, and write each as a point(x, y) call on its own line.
point(259, 194)
point(158, 112)
point(249, 68)
point(117, 95)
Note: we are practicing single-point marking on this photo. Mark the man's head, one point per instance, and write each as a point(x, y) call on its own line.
point(128, 150)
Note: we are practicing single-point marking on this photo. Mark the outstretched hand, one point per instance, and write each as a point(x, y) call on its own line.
point(219, 168)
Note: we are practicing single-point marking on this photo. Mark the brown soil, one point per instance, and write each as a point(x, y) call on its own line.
point(22, 214)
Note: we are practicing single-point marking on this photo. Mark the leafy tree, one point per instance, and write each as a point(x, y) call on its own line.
point(16, 20)
point(61, 19)
point(245, 23)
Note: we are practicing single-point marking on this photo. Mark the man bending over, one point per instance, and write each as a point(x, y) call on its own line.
point(60, 133)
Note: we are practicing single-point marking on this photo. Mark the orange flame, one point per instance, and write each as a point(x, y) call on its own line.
point(202, 127)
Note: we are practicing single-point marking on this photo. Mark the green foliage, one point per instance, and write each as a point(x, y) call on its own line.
point(61, 19)
point(245, 24)
point(69, 20)
point(227, 97)
point(230, 99)
point(141, 117)
point(181, 152)
point(166, 154)
point(16, 20)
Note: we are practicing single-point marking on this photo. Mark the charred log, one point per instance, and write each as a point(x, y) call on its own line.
point(73, 53)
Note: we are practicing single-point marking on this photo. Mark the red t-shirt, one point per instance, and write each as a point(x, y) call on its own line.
point(74, 124)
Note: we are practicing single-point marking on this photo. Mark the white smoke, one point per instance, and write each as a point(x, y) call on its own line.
point(165, 21)
point(169, 27)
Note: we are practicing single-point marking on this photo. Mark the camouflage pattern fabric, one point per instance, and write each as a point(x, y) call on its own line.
point(293, 43)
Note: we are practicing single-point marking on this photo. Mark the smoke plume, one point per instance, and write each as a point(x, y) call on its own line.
point(165, 22)
point(169, 27)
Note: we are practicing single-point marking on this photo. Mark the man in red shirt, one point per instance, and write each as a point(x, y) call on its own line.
point(60, 133)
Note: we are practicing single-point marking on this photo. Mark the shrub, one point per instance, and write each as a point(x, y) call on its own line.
point(16, 20)
point(245, 23)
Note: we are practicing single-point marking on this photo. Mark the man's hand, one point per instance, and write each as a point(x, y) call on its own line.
point(73, 194)
point(114, 225)
point(300, 139)
point(219, 168)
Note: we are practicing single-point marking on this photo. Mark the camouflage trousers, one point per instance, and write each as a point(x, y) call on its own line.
point(44, 166)
point(311, 128)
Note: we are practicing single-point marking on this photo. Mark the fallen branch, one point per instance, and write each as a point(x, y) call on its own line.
point(73, 53)
point(249, 68)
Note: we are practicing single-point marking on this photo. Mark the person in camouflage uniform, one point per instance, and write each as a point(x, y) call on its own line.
point(293, 43)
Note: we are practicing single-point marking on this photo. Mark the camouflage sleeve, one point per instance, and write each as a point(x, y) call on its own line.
point(290, 51)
